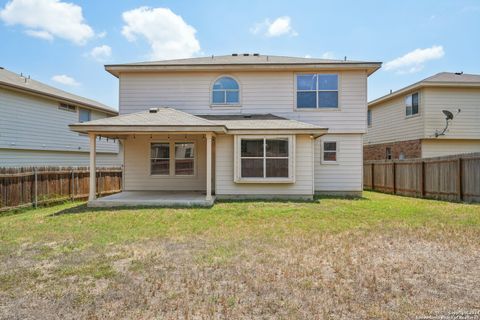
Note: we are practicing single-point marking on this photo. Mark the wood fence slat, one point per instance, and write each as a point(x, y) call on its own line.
point(32, 186)
point(451, 178)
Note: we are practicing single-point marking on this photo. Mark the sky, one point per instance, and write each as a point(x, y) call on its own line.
point(66, 43)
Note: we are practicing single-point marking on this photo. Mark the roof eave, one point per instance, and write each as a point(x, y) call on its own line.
point(56, 97)
point(419, 85)
point(81, 128)
point(371, 67)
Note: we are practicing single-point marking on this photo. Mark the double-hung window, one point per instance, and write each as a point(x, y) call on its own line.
point(180, 156)
point(411, 104)
point(329, 152)
point(317, 91)
point(184, 158)
point(265, 158)
point(160, 159)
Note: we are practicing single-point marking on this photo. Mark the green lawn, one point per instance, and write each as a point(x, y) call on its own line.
point(380, 256)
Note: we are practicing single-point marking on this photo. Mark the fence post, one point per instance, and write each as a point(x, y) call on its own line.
point(459, 179)
point(393, 176)
point(35, 186)
point(373, 178)
point(422, 178)
point(72, 186)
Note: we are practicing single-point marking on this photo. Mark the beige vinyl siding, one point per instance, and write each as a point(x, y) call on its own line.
point(261, 92)
point(346, 174)
point(34, 123)
point(137, 165)
point(224, 169)
point(466, 124)
point(389, 122)
point(24, 158)
point(444, 147)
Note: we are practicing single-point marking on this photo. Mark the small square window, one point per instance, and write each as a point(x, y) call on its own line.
point(388, 153)
point(329, 151)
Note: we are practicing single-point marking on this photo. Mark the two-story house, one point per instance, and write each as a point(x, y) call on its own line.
point(237, 126)
point(411, 122)
point(34, 119)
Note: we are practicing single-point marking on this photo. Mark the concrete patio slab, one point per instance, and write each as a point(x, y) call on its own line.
point(154, 199)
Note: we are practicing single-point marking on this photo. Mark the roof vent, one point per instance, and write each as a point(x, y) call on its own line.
point(246, 54)
point(459, 73)
point(153, 110)
point(234, 54)
point(256, 54)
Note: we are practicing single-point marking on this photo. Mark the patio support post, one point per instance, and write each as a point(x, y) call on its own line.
point(93, 173)
point(209, 166)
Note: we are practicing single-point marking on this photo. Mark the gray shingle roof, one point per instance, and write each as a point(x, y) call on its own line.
point(453, 77)
point(14, 80)
point(240, 62)
point(241, 59)
point(439, 79)
point(255, 122)
point(166, 117)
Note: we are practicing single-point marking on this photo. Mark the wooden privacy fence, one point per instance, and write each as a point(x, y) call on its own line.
point(452, 178)
point(32, 186)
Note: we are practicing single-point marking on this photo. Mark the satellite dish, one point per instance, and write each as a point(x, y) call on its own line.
point(448, 114)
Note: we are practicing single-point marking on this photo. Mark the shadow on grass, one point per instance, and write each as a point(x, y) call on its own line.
point(83, 208)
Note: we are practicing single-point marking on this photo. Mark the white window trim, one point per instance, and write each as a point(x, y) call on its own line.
point(237, 159)
point(337, 151)
point(226, 106)
point(339, 80)
point(405, 105)
point(171, 173)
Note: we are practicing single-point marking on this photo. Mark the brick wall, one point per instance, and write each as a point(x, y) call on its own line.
point(411, 149)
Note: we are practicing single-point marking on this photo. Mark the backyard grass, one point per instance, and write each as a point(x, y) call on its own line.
point(381, 256)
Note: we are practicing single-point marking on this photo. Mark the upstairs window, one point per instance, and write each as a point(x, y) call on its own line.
point(84, 115)
point(67, 107)
point(369, 118)
point(411, 104)
point(317, 91)
point(226, 91)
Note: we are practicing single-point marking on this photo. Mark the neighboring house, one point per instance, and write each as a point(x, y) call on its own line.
point(239, 126)
point(402, 124)
point(34, 125)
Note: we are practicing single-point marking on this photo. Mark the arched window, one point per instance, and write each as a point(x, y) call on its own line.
point(225, 91)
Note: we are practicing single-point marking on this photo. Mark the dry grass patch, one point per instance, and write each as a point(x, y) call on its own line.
point(383, 257)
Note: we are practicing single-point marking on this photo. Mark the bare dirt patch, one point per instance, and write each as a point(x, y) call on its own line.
point(356, 274)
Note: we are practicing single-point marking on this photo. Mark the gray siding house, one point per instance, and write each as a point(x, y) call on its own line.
point(34, 119)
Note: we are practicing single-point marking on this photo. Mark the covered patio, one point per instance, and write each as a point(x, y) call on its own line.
point(172, 188)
